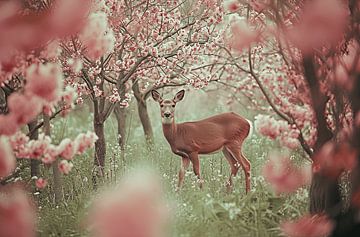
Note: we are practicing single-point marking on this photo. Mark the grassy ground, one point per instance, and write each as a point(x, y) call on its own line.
point(207, 212)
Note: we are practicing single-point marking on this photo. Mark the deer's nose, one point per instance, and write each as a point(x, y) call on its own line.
point(167, 114)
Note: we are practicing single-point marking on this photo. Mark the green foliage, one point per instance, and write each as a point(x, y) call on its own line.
point(207, 212)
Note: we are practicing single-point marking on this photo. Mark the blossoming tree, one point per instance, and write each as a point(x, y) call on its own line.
point(302, 56)
point(149, 44)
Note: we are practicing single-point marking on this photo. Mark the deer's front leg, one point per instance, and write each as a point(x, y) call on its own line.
point(196, 166)
point(184, 165)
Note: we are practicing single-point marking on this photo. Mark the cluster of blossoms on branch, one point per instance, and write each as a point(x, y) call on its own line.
point(43, 149)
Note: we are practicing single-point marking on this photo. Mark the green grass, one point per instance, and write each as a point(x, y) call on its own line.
point(207, 212)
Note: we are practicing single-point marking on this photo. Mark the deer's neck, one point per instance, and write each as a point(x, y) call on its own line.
point(169, 131)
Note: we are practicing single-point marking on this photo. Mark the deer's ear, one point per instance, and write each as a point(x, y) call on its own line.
point(156, 95)
point(179, 96)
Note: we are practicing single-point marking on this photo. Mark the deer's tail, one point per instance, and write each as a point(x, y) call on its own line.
point(251, 129)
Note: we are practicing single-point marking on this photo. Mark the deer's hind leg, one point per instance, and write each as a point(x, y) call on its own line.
point(236, 151)
point(234, 167)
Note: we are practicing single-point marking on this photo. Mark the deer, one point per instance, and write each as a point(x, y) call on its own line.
point(226, 132)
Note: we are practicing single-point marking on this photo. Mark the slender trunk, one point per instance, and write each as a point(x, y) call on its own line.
point(143, 115)
point(34, 164)
point(145, 121)
point(120, 115)
point(56, 173)
point(100, 149)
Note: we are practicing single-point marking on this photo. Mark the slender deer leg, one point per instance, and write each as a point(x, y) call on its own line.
point(235, 150)
point(184, 165)
point(234, 167)
point(196, 166)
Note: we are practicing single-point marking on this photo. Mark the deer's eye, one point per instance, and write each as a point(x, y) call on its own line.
point(173, 106)
point(161, 106)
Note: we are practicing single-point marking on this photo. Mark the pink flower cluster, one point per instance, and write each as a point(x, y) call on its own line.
point(40, 183)
point(115, 97)
point(97, 37)
point(17, 215)
point(44, 81)
point(43, 149)
point(242, 36)
point(43, 86)
point(135, 209)
point(283, 176)
point(272, 128)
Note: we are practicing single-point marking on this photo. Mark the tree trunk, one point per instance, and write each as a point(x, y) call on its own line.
point(56, 173)
point(145, 121)
point(143, 115)
point(325, 195)
point(100, 150)
point(34, 164)
point(120, 115)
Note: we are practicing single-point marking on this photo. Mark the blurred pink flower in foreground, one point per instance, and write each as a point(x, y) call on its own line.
point(23, 108)
point(322, 23)
point(7, 159)
point(242, 36)
point(231, 5)
point(45, 81)
point(333, 159)
point(283, 176)
point(308, 226)
point(17, 216)
point(135, 209)
point(97, 36)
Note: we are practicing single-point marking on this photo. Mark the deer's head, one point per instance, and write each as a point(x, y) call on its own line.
point(167, 106)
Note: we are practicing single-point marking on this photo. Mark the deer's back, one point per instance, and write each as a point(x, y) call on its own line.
point(216, 130)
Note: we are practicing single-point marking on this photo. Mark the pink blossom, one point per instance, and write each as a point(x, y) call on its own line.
point(97, 36)
point(333, 159)
point(66, 149)
point(75, 64)
point(115, 97)
point(23, 108)
point(52, 50)
point(283, 176)
point(308, 226)
point(7, 159)
point(44, 81)
point(69, 95)
point(40, 183)
point(231, 5)
point(68, 16)
point(8, 124)
point(65, 166)
point(322, 23)
point(135, 209)
point(97, 91)
point(267, 126)
point(37, 148)
point(242, 36)
point(17, 215)
point(85, 141)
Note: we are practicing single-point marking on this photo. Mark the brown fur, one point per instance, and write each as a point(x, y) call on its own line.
point(224, 132)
